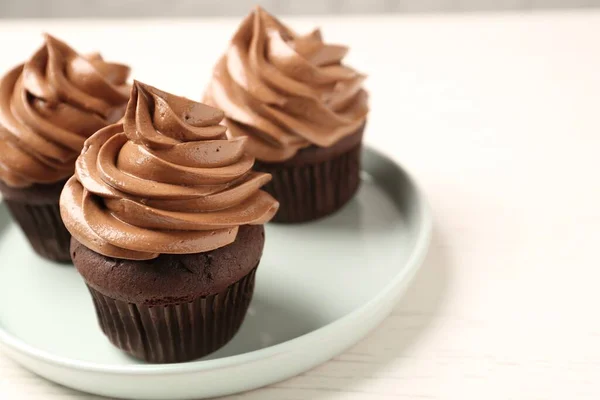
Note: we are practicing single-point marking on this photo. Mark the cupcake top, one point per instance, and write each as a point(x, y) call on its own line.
point(49, 106)
point(286, 91)
point(166, 181)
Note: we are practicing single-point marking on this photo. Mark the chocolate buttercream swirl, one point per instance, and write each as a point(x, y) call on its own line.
point(286, 91)
point(50, 105)
point(167, 180)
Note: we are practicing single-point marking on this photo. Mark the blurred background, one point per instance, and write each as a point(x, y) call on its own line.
point(196, 8)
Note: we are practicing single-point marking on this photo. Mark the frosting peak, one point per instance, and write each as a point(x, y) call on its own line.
point(50, 105)
point(286, 91)
point(167, 180)
point(160, 120)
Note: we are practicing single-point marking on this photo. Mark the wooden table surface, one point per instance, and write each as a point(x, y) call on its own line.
point(498, 118)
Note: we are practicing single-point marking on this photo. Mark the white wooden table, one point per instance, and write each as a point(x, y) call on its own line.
point(498, 117)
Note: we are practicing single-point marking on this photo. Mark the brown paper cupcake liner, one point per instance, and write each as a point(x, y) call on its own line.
point(175, 332)
point(314, 190)
point(44, 228)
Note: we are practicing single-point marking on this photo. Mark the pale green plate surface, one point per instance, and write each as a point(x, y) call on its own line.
point(320, 288)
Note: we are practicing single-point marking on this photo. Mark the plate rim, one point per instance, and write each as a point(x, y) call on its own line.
point(412, 264)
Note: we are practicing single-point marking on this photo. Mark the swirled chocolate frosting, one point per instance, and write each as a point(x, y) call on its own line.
point(286, 91)
point(49, 106)
point(166, 181)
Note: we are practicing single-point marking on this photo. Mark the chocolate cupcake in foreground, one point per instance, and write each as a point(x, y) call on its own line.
point(302, 110)
point(48, 107)
point(167, 222)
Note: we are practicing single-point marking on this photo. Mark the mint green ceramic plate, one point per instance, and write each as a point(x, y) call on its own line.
point(320, 288)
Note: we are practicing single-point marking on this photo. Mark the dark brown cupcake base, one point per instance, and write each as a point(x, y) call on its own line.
point(316, 182)
point(176, 332)
point(176, 307)
point(37, 212)
point(44, 228)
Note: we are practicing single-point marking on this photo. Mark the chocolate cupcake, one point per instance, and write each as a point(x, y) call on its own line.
point(48, 107)
point(302, 110)
point(167, 220)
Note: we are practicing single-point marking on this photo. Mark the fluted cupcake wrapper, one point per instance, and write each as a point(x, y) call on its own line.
point(44, 228)
point(175, 332)
point(311, 191)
